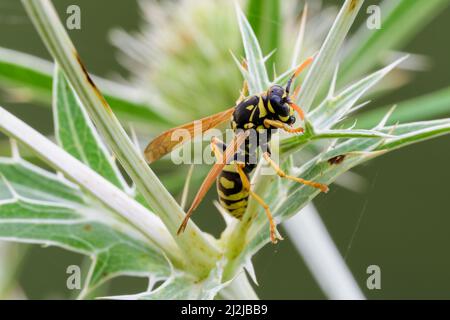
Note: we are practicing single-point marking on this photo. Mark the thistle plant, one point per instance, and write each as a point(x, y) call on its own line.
point(85, 203)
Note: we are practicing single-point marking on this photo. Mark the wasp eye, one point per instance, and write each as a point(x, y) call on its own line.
point(291, 120)
point(275, 101)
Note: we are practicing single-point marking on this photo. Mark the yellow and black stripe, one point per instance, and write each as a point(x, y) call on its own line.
point(232, 194)
point(250, 114)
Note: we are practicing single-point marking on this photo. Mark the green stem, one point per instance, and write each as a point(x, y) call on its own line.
point(96, 185)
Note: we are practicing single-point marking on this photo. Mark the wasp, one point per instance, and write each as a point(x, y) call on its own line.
point(262, 113)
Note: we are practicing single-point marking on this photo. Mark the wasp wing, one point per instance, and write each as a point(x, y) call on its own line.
point(228, 154)
point(165, 142)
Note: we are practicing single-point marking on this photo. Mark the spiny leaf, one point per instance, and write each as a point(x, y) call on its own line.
point(91, 182)
point(324, 62)
point(265, 19)
point(349, 133)
point(293, 143)
point(300, 37)
point(424, 107)
point(115, 248)
point(334, 108)
point(76, 133)
point(183, 287)
point(287, 198)
point(36, 183)
point(431, 130)
point(258, 77)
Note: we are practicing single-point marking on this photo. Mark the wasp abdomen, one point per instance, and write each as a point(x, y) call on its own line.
point(232, 195)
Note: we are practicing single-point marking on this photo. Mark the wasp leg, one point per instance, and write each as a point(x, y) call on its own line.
point(282, 174)
point(280, 125)
point(274, 234)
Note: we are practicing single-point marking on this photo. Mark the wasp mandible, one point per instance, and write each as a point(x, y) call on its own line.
point(270, 110)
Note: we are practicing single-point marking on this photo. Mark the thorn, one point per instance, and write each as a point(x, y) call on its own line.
point(359, 106)
point(385, 119)
point(300, 37)
point(332, 89)
point(134, 137)
point(271, 53)
point(251, 270)
point(242, 68)
point(244, 64)
point(10, 188)
point(353, 125)
point(185, 192)
point(15, 152)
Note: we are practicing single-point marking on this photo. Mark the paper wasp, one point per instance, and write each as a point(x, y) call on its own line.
point(273, 109)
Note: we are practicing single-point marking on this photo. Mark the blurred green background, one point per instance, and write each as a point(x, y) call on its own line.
point(403, 217)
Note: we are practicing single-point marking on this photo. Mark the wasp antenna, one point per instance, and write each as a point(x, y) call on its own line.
point(297, 71)
point(303, 66)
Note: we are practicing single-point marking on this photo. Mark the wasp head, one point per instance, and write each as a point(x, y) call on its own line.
point(278, 98)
